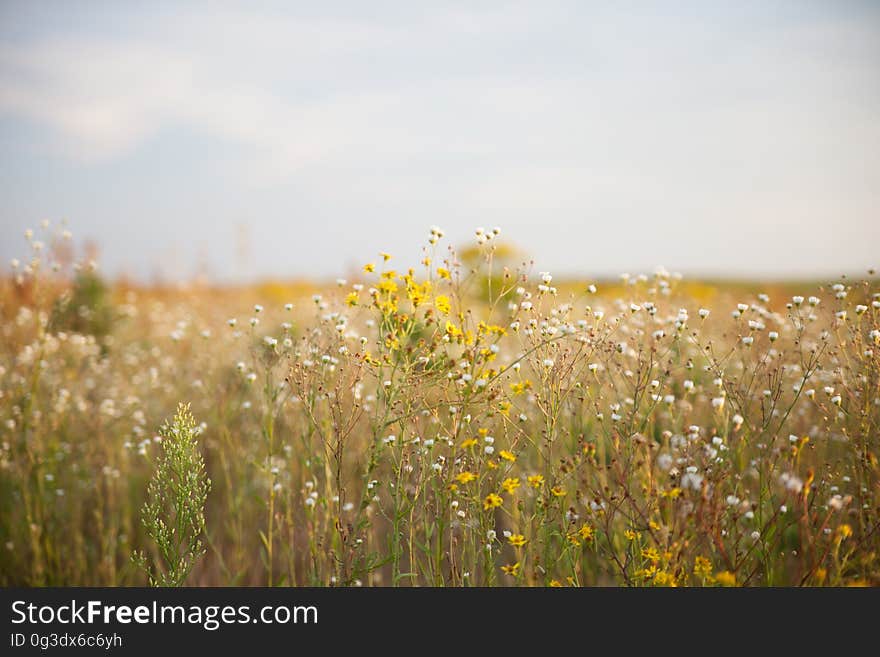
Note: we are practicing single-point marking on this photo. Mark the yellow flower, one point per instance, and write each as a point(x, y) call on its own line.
point(512, 569)
point(442, 273)
point(586, 532)
point(385, 256)
point(492, 500)
point(442, 304)
point(672, 493)
point(507, 456)
point(351, 299)
point(662, 578)
point(492, 464)
point(844, 532)
point(702, 567)
point(369, 267)
point(470, 442)
point(536, 481)
point(452, 330)
point(510, 485)
point(651, 554)
point(555, 584)
point(516, 540)
point(726, 578)
point(631, 535)
point(465, 477)
point(558, 491)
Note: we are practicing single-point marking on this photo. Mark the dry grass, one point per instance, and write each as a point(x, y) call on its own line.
point(463, 424)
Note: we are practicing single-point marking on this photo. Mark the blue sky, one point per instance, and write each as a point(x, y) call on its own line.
point(712, 138)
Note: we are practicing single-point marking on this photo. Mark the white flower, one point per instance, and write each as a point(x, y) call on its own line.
point(747, 340)
point(489, 449)
point(703, 313)
point(691, 480)
point(389, 439)
point(664, 462)
point(797, 300)
point(773, 335)
point(756, 535)
point(860, 309)
point(270, 341)
point(813, 301)
point(633, 307)
point(732, 500)
point(548, 363)
point(258, 308)
point(836, 400)
point(232, 321)
point(718, 402)
point(836, 502)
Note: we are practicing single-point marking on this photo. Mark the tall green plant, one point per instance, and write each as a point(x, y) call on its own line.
point(174, 514)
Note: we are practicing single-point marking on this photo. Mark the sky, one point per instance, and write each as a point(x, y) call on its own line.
point(290, 139)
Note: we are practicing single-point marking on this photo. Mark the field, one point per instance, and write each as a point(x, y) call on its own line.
point(471, 422)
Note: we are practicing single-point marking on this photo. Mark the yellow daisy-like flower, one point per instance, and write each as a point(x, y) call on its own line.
point(586, 532)
point(442, 304)
point(510, 485)
point(492, 501)
point(465, 477)
point(507, 456)
point(351, 299)
point(470, 442)
point(558, 491)
point(555, 584)
point(516, 540)
point(442, 272)
point(385, 256)
point(369, 268)
point(536, 481)
point(511, 569)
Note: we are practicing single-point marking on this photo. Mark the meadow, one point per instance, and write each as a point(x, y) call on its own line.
point(472, 421)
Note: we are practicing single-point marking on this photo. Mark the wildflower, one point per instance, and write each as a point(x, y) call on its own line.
point(492, 501)
point(797, 300)
point(442, 304)
point(465, 477)
point(507, 456)
point(702, 567)
point(516, 540)
point(558, 491)
point(703, 313)
point(536, 481)
point(510, 485)
point(843, 532)
point(586, 532)
point(726, 578)
point(512, 569)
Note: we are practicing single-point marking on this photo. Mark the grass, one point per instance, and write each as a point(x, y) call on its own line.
point(463, 424)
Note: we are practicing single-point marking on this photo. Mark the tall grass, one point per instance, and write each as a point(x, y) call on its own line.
point(463, 424)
